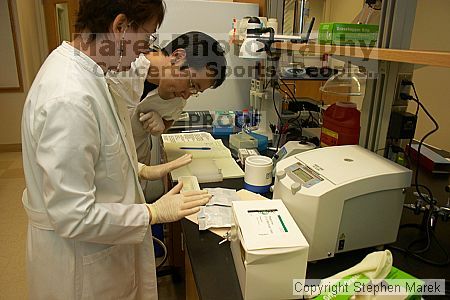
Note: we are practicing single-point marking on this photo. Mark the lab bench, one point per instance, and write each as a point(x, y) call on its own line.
point(209, 267)
point(212, 265)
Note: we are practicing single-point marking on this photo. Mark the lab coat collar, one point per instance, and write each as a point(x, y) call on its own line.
point(82, 59)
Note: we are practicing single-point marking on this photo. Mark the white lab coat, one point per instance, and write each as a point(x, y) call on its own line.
point(88, 235)
point(128, 87)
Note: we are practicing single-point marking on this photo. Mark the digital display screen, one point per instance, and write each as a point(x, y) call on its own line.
point(282, 153)
point(304, 176)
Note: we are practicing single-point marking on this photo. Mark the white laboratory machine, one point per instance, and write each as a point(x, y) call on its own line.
point(292, 148)
point(342, 198)
point(268, 248)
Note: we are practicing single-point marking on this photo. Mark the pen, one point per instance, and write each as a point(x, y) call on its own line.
point(262, 210)
point(195, 148)
point(188, 131)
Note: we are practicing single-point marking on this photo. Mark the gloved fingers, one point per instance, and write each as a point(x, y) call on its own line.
point(176, 189)
point(196, 197)
point(147, 116)
point(149, 124)
point(194, 193)
point(188, 212)
point(181, 161)
point(154, 128)
point(192, 204)
point(195, 202)
point(184, 157)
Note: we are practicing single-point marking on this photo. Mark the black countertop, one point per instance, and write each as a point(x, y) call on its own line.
point(213, 265)
point(216, 278)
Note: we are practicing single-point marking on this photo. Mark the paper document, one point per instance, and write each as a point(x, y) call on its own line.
point(243, 195)
point(206, 153)
point(187, 137)
point(222, 197)
point(267, 222)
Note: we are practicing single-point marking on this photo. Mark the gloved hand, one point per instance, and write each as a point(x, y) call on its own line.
point(159, 171)
point(152, 122)
point(174, 205)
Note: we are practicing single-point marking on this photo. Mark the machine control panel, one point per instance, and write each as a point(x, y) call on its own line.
point(303, 174)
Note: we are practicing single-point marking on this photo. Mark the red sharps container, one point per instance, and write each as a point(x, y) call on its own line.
point(340, 125)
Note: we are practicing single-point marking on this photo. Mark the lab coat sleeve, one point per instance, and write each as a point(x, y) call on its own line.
point(178, 110)
point(68, 149)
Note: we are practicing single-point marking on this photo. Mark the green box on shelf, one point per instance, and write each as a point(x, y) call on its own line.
point(342, 34)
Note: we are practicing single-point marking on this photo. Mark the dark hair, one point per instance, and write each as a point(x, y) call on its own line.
point(95, 16)
point(202, 51)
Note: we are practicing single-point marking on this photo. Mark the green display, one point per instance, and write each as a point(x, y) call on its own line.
point(304, 176)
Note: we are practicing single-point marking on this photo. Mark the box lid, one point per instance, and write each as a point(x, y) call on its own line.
point(267, 225)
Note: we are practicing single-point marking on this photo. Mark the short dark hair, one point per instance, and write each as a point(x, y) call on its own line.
point(202, 51)
point(95, 16)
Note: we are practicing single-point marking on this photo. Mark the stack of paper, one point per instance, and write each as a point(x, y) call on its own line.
point(207, 154)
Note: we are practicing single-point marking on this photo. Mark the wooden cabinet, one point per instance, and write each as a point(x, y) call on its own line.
point(311, 89)
point(60, 18)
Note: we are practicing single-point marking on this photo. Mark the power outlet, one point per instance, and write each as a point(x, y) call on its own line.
point(257, 86)
point(402, 88)
point(253, 85)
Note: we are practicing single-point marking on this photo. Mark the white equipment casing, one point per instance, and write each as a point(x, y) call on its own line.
point(266, 264)
point(348, 198)
point(292, 148)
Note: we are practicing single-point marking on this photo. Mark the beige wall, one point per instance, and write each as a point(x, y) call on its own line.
point(29, 40)
point(433, 84)
point(316, 9)
point(343, 11)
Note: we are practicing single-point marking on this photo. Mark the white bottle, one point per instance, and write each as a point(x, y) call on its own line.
point(273, 23)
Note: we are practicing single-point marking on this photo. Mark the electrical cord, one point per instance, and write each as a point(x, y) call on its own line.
point(371, 4)
point(292, 95)
point(164, 249)
point(373, 7)
point(416, 178)
point(278, 114)
point(411, 139)
point(426, 260)
point(293, 98)
point(429, 233)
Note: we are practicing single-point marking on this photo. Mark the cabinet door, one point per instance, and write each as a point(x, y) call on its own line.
point(60, 17)
point(332, 98)
point(311, 89)
point(304, 89)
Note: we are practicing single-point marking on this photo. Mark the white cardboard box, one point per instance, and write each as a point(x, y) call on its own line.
point(268, 248)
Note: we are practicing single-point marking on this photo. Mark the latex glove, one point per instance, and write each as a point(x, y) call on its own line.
point(159, 171)
point(174, 205)
point(152, 122)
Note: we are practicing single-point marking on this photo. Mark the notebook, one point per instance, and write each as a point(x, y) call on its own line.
point(208, 155)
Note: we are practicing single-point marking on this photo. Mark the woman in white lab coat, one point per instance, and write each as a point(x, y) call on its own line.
point(89, 235)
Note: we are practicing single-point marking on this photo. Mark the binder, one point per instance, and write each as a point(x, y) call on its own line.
point(429, 159)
